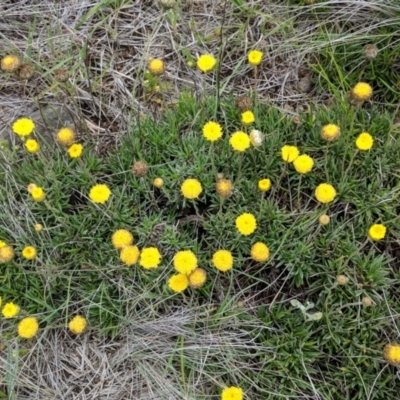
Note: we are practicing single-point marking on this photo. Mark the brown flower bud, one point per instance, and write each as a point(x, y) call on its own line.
point(370, 51)
point(61, 75)
point(26, 72)
point(243, 103)
point(140, 169)
point(366, 301)
point(342, 280)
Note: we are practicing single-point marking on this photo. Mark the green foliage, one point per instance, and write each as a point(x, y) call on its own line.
point(77, 269)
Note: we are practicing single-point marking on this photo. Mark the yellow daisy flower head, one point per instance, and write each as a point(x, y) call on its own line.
point(10, 63)
point(99, 193)
point(129, 255)
point(232, 393)
point(324, 219)
point(224, 187)
point(248, 118)
point(255, 57)
point(38, 194)
point(259, 252)
point(222, 260)
point(362, 91)
point(66, 136)
point(256, 138)
point(303, 164)
point(6, 253)
point(330, 132)
point(29, 252)
point(178, 282)
point(28, 327)
point(150, 257)
point(206, 62)
point(158, 183)
point(289, 153)
point(32, 146)
point(10, 310)
point(364, 141)
point(246, 224)
point(264, 185)
point(77, 325)
point(325, 193)
point(38, 227)
point(197, 278)
point(75, 150)
point(212, 131)
point(156, 66)
point(240, 141)
point(377, 231)
point(23, 126)
point(185, 261)
point(2, 243)
point(191, 189)
point(342, 280)
point(391, 353)
point(121, 238)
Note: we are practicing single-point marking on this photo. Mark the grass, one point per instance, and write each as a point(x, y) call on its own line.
point(243, 327)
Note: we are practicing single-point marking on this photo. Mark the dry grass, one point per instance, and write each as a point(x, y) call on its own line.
point(106, 48)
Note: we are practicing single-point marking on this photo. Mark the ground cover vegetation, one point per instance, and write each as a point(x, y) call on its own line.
point(203, 229)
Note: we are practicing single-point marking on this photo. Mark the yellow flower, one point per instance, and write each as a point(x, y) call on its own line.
point(246, 224)
point(178, 282)
point(121, 238)
point(206, 62)
point(324, 219)
point(38, 227)
point(264, 185)
point(10, 63)
point(32, 146)
point(150, 257)
point(100, 193)
point(185, 261)
point(77, 324)
point(330, 132)
point(362, 91)
point(232, 393)
point(191, 188)
point(29, 252)
point(75, 150)
point(197, 278)
point(256, 138)
point(212, 131)
point(158, 183)
point(247, 118)
point(255, 57)
point(259, 252)
point(391, 352)
point(325, 193)
point(289, 153)
point(10, 310)
point(129, 255)
point(223, 260)
point(303, 164)
point(364, 141)
point(28, 327)
point(377, 231)
point(224, 187)
point(66, 136)
point(2, 243)
point(23, 126)
point(6, 254)
point(156, 66)
point(38, 194)
point(240, 141)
